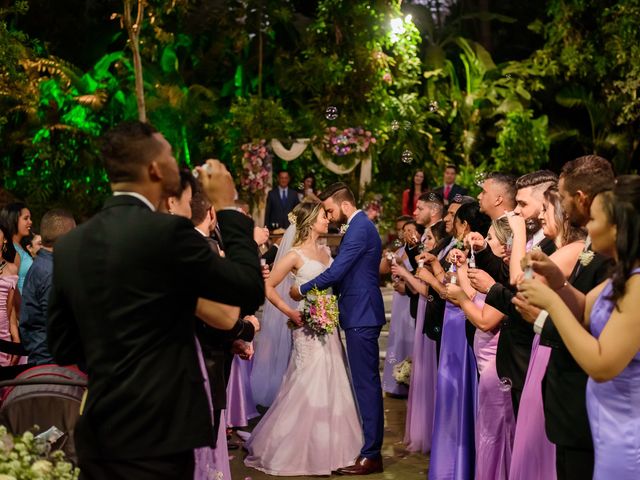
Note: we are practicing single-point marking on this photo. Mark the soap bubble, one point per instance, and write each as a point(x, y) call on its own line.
point(331, 113)
point(433, 106)
point(505, 384)
point(407, 156)
point(479, 178)
point(395, 125)
point(406, 125)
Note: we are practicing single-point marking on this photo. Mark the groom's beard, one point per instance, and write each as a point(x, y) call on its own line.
point(342, 219)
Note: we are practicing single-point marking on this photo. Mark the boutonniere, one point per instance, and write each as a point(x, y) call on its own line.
point(343, 228)
point(585, 257)
point(459, 245)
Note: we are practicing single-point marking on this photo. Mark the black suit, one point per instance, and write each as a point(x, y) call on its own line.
point(125, 286)
point(564, 388)
point(455, 190)
point(277, 210)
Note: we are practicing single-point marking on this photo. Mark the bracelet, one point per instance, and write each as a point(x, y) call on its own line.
point(561, 286)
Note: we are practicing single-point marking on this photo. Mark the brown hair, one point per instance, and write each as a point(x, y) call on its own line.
point(305, 215)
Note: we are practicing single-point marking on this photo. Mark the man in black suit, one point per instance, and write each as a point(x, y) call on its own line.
point(564, 386)
point(280, 201)
point(125, 288)
point(450, 189)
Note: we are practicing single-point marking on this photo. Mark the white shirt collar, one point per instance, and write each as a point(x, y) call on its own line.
point(139, 196)
point(537, 238)
point(201, 232)
point(353, 215)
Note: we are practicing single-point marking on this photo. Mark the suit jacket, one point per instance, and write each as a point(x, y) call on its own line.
point(455, 190)
point(355, 274)
point(277, 211)
point(125, 286)
point(564, 385)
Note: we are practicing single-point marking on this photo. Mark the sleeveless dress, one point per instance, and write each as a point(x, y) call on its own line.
point(313, 427)
point(400, 341)
point(453, 451)
point(25, 264)
point(614, 409)
point(7, 283)
point(495, 422)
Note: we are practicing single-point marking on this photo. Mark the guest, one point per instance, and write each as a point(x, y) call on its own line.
point(565, 382)
point(450, 189)
point(180, 203)
point(411, 195)
point(8, 282)
point(17, 217)
point(610, 354)
point(32, 243)
point(37, 287)
point(429, 209)
point(125, 287)
point(309, 191)
point(280, 201)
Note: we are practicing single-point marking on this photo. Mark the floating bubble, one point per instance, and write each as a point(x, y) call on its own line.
point(397, 243)
point(436, 329)
point(434, 197)
point(433, 106)
point(430, 298)
point(331, 113)
point(407, 156)
point(457, 198)
point(508, 75)
point(395, 125)
point(479, 178)
point(505, 384)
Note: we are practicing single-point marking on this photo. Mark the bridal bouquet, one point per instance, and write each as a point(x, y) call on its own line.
point(321, 311)
point(402, 371)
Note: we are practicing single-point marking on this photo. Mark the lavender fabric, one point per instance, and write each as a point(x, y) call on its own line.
point(422, 388)
point(240, 405)
point(453, 451)
point(495, 422)
point(534, 456)
point(400, 340)
point(614, 409)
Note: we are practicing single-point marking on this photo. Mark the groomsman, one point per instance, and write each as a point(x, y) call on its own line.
point(280, 201)
point(450, 189)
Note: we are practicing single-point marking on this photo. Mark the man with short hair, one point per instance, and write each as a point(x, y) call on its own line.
point(354, 273)
point(125, 288)
point(429, 209)
point(498, 195)
point(280, 201)
point(530, 201)
point(564, 385)
point(37, 286)
point(449, 190)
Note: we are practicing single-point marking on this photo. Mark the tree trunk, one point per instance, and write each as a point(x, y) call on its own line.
point(133, 31)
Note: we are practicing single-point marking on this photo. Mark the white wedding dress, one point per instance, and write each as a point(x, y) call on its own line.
point(313, 427)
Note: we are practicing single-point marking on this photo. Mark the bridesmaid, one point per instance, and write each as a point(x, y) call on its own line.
point(610, 354)
point(402, 327)
point(17, 218)
point(8, 282)
point(495, 421)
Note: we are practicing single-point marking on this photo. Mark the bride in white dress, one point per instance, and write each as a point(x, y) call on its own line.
point(313, 427)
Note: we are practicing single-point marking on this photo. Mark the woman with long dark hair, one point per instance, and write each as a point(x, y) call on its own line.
point(8, 281)
point(610, 352)
point(17, 218)
point(410, 195)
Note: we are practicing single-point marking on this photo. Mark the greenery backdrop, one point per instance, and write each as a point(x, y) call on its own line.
point(485, 85)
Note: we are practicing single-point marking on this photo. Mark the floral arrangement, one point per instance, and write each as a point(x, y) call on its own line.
point(25, 457)
point(402, 371)
point(347, 142)
point(256, 167)
point(321, 311)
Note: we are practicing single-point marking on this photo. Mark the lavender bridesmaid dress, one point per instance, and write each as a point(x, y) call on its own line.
point(453, 452)
point(614, 409)
point(240, 405)
point(422, 389)
point(534, 456)
point(400, 340)
point(495, 422)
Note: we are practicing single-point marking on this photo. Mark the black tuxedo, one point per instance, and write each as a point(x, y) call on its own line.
point(564, 385)
point(277, 210)
point(455, 190)
point(125, 286)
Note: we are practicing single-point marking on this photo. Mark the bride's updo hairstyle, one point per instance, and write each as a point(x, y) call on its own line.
point(304, 215)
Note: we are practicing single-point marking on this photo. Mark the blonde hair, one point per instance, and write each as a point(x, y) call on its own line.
point(503, 230)
point(305, 215)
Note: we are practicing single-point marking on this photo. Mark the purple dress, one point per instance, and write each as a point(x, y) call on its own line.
point(400, 341)
point(422, 389)
point(495, 422)
point(534, 456)
point(614, 409)
point(240, 405)
point(453, 452)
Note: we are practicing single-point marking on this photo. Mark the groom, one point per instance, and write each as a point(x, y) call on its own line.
point(354, 275)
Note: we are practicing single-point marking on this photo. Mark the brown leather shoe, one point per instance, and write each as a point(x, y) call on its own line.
point(363, 466)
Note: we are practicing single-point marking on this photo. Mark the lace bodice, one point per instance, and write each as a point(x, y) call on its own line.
point(309, 270)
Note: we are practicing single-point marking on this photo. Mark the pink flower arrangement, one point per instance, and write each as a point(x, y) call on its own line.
point(321, 311)
point(256, 167)
point(348, 141)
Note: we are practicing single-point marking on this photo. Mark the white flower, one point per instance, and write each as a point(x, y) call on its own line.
point(585, 257)
point(42, 467)
point(343, 228)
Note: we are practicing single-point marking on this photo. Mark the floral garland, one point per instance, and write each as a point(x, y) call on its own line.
point(350, 141)
point(256, 168)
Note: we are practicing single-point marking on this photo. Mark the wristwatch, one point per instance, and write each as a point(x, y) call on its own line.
point(538, 325)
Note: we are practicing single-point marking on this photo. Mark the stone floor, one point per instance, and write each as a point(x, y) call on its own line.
point(398, 463)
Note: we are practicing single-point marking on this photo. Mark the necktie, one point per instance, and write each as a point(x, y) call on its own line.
point(447, 189)
point(284, 195)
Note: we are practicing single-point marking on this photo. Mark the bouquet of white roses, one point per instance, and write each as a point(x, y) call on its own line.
point(402, 371)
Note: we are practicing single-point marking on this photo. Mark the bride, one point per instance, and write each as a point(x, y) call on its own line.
point(313, 427)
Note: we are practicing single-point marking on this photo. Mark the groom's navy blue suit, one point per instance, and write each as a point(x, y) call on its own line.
point(354, 276)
